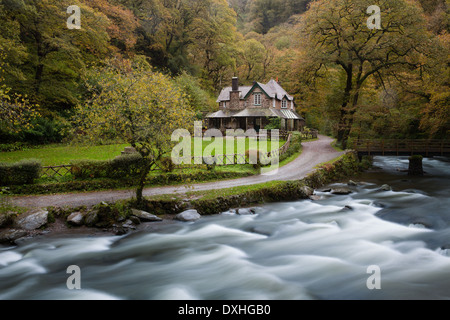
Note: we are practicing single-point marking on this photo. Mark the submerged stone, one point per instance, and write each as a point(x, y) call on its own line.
point(341, 191)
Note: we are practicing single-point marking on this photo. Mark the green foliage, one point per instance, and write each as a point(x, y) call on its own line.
point(166, 164)
point(45, 131)
point(197, 98)
point(22, 172)
point(274, 124)
point(82, 169)
point(266, 14)
point(125, 166)
point(10, 147)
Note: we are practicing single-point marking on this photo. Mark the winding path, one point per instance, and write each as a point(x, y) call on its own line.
point(314, 153)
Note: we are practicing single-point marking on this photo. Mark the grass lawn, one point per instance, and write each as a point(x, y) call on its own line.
point(53, 155)
point(220, 146)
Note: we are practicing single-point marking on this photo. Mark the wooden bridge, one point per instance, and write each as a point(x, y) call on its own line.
point(425, 148)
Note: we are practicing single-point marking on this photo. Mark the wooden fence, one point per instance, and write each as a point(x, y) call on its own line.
point(56, 171)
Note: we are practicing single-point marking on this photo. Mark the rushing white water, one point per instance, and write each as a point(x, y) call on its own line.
point(299, 250)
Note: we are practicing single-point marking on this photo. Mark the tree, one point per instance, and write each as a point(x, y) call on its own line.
point(16, 112)
point(335, 35)
point(55, 56)
point(252, 56)
point(214, 42)
point(130, 102)
point(122, 26)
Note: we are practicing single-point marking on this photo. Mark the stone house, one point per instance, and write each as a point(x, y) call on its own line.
point(252, 107)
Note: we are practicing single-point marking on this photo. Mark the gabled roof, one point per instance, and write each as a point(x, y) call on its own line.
point(225, 93)
point(272, 89)
point(278, 91)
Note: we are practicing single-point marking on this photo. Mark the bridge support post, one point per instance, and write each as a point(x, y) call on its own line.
point(415, 165)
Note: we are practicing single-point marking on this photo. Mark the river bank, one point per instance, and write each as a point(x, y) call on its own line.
point(118, 217)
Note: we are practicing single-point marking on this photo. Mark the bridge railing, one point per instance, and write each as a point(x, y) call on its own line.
point(399, 147)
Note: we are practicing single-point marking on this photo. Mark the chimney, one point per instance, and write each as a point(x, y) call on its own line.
point(235, 84)
point(235, 100)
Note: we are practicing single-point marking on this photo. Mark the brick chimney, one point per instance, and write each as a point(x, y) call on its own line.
point(235, 84)
point(235, 94)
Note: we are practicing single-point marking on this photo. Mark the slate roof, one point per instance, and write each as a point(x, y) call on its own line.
point(272, 89)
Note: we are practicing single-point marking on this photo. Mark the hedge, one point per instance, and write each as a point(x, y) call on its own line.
point(22, 172)
point(125, 166)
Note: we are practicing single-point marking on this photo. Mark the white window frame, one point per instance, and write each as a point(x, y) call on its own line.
point(257, 99)
point(284, 104)
point(224, 104)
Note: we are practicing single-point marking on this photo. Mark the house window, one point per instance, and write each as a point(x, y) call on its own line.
point(284, 104)
point(224, 105)
point(257, 99)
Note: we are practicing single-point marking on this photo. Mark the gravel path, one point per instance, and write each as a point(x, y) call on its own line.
point(314, 152)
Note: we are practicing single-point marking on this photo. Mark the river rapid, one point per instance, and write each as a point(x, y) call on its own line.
point(296, 250)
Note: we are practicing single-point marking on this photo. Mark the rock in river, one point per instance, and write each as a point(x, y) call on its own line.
point(10, 235)
point(75, 218)
point(246, 211)
point(32, 220)
point(188, 215)
point(145, 216)
point(341, 191)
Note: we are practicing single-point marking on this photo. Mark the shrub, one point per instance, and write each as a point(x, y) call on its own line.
point(128, 165)
point(22, 172)
point(124, 166)
point(82, 169)
point(16, 146)
point(166, 164)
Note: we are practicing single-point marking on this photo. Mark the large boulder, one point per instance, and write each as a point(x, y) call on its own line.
point(145, 216)
point(32, 220)
point(341, 191)
point(91, 218)
point(76, 218)
point(188, 215)
point(10, 235)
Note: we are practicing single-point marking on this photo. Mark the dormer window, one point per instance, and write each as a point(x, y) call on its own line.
point(284, 104)
point(257, 99)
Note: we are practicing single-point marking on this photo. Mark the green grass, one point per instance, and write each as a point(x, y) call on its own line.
point(330, 162)
point(215, 193)
point(221, 148)
point(53, 155)
point(335, 147)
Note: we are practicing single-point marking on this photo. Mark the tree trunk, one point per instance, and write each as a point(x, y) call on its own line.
point(141, 185)
point(38, 77)
point(342, 134)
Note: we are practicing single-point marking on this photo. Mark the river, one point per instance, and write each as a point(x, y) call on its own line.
point(297, 250)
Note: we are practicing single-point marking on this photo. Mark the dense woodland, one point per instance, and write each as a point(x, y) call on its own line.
point(348, 81)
